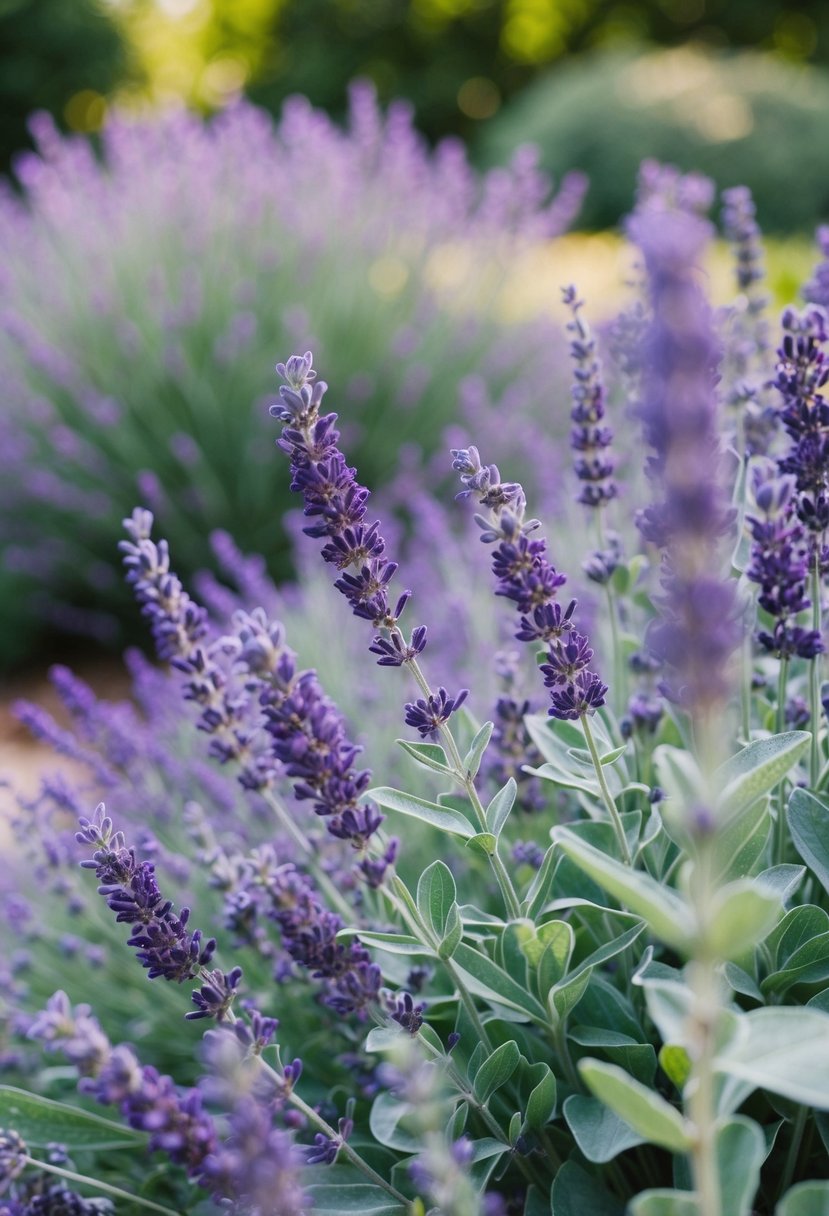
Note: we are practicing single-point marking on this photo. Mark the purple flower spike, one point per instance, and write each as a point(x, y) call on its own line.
point(526, 576)
point(589, 438)
point(162, 942)
point(802, 372)
point(698, 629)
point(335, 502)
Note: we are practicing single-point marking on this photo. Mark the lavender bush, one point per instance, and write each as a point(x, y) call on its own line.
point(144, 289)
point(608, 993)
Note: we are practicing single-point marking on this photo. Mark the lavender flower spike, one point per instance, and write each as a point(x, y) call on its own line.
point(336, 503)
point(526, 576)
point(698, 629)
point(590, 438)
point(163, 943)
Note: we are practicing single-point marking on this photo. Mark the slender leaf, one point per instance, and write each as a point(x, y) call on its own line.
point(808, 819)
point(666, 912)
point(805, 1199)
point(472, 760)
point(654, 1119)
point(436, 893)
point(496, 1070)
point(541, 1103)
point(499, 808)
point(741, 1151)
point(338, 1190)
point(742, 914)
point(485, 978)
point(447, 819)
point(758, 768)
point(430, 755)
point(42, 1121)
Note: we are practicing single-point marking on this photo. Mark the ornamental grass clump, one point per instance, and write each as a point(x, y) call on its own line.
point(146, 283)
point(589, 971)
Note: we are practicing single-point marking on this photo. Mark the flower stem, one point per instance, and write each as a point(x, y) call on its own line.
point(607, 797)
point(814, 674)
point(511, 901)
point(310, 859)
point(780, 722)
point(96, 1184)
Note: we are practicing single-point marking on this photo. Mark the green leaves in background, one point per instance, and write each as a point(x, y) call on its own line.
point(42, 1121)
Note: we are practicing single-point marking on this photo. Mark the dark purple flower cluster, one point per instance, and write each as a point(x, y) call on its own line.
point(261, 713)
point(698, 630)
point(336, 502)
point(281, 892)
point(590, 437)
point(162, 941)
point(780, 565)
point(180, 631)
point(526, 576)
point(816, 290)
point(51, 1198)
point(310, 739)
point(427, 714)
point(802, 371)
point(254, 1169)
point(149, 1101)
point(401, 1008)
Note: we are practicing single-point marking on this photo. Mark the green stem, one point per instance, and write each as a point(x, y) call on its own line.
point(607, 797)
point(746, 668)
point(780, 722)
point(701, 1091)
point(96, 1184)
point(508, 892)
point(814, 673)
point(794, 1150)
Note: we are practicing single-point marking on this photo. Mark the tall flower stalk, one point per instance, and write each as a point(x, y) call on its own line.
point(335, 502)
point(697, 629)
point(526, 576)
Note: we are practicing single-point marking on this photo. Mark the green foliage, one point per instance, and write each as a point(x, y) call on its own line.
point(741, 118)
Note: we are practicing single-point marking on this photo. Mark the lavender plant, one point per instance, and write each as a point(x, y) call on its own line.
point(590, 973)
point(134, 334)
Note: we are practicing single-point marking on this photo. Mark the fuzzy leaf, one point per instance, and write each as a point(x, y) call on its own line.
point(541, 1103)
point(742, 913)
point(805, 1199)
point(741, 1151)
point(436, 893)
point(758, 768)
point(598, 1131)
point(665, 911)
point(42, 1121)
point(783, 1049)
point(808, 820)
point(341, 1191)
point(430, 755)
point(664, 1202)
point(499, 808)
point(650, 1116)
point(577, 1193)
point(485, 978)
point(446, 819)
point(496, 1070)
point(452, 934)
point(472, 760)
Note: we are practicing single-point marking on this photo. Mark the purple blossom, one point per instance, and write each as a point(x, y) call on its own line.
point(698, 630)
point(162, 941)
point(427, 715)
point(336, 502)
point(590, 438)
point(802, 371)
point(780, 565)
point(526, 576)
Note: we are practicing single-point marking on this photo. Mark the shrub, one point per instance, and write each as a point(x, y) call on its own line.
point(608, 993)
point(738, 117)
point(144, 291)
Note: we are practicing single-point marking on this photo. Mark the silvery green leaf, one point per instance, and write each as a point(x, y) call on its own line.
point(436, 893)
point(496, 1070)
point(783, 1049)
point(805, 1199)
point(808, 819)
point(499, 808)
point(472, 760)
point(598, 1131)
point(644, 1110)
point(758, 768)
point(452, 934)
point(445, 818)
point(430, 755)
